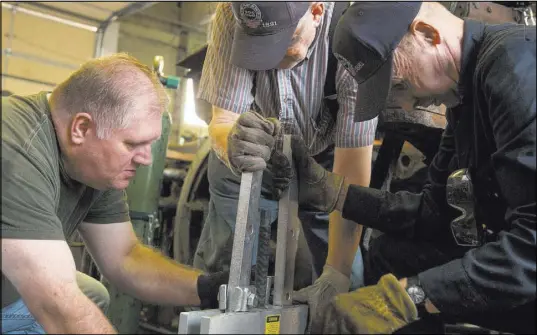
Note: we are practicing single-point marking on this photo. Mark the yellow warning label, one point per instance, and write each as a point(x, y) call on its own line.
point(272, 324)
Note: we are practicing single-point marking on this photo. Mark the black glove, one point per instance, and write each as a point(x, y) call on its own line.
point(208, 287)
point(318, 188)
point(250, 142)
point(281, 168)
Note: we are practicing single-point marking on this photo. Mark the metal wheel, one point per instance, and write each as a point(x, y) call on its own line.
point(192, 207)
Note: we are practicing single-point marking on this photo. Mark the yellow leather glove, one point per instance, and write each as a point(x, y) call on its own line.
point(378, 309)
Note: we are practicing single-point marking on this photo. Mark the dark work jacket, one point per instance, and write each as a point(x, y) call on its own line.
point(493, 130)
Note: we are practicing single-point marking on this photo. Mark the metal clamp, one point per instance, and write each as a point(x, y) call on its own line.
point(241, 299)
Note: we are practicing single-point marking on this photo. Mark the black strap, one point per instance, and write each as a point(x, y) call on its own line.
point(331, 68)
point(139, 216)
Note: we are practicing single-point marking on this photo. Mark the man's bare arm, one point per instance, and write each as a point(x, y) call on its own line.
point(44, 274)
point(219, 128)
point(137, 269)
point(344, 235)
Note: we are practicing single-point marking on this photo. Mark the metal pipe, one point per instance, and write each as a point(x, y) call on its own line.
point(63, 12)
point(9, 40)
point(28, 80)
point(38, 59)
point(97, 49)
point(51, 18)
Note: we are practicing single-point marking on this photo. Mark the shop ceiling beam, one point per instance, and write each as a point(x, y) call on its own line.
point(38, 59)
point(87, 19)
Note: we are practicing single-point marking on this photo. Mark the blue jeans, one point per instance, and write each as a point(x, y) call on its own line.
point(213, 252)
point(17, 319)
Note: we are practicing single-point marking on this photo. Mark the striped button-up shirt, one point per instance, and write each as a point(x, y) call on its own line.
point(294, 96)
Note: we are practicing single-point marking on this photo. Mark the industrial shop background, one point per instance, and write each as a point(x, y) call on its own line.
point(43, 42)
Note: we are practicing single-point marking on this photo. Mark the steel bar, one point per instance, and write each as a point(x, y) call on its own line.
point(287, 238)
point(246, 225)
point(263, 257)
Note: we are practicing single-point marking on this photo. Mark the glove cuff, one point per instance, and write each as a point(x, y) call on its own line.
point(341, 282)
point(397, 296)
point(342, 195)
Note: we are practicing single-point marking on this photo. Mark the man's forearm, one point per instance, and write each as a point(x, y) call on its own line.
point(154, 278)
point(343, 240)
point(344, 235)
point(73, 313)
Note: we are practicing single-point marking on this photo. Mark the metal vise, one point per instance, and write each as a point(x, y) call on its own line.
point(247, 308)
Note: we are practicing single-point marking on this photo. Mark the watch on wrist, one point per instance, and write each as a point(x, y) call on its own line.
point(414, 290)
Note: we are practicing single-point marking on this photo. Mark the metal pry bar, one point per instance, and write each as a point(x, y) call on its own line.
point(239, 289)
point(287, 237)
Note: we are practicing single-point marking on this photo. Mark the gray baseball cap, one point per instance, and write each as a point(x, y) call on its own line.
point(263, 32)
point(364, 41)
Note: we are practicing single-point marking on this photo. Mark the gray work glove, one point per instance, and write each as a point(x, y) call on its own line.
point(318, 188)
point(324, 289)
point(251, 141)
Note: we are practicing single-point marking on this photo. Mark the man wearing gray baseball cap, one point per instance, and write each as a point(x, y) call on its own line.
point(267, 71)
point(464, 247)
point(264, 31)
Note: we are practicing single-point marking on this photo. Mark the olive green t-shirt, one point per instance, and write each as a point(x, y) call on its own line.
point(39, 200)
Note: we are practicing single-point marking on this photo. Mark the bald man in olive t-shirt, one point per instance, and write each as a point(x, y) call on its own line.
point(39, 200)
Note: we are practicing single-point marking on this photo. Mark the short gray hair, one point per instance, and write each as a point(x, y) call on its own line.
point(110, 89)
point(408, 47)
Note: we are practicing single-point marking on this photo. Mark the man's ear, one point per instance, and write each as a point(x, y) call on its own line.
point(317, 10)
point(82, 126)
point(426, 31)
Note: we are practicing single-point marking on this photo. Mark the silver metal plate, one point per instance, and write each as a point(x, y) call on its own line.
point(189, 322)
point(292, 320)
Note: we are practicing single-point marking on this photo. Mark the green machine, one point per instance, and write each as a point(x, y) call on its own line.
point(143, 199)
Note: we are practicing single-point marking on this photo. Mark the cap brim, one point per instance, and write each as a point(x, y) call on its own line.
point(373, 93)
point(263, 52)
